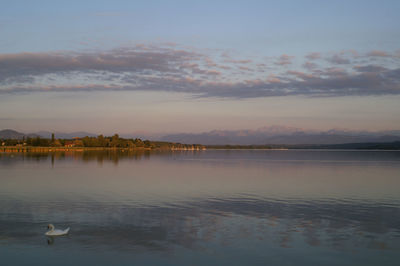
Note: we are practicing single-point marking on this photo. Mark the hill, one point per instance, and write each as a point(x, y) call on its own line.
point(12, 134)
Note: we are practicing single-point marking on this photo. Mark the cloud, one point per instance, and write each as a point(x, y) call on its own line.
point(332, 82)
point(309, 65)
point(378, 53)
point(387, 82)
point(334, 72)
point(273, 79)
point(224, 67)
point(301, 75)
point(245, 68)
point(152, 68)
point(370, 68)
point(338, 59)
point(313, 56)
point(118, 60)
point(210, 62)
point(284, 60)
point(246, 61)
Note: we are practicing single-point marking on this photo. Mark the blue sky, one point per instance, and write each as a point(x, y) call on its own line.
point(173, 66)
point(270, 27)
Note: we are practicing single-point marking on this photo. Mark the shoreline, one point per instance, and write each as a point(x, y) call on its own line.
point(23, 149)
point(51, 149)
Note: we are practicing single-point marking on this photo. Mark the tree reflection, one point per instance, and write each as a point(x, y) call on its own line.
point(101, 156)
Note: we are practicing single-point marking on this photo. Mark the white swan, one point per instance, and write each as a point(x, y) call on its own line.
point(56, 232)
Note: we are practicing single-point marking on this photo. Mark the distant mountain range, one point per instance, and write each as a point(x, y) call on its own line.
point(283, 135)
point(262, 136)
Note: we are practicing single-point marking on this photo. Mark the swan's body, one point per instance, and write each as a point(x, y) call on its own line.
point(56, 232)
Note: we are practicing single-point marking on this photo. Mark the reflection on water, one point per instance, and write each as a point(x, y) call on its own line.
point(86, 156)
point(209, 207)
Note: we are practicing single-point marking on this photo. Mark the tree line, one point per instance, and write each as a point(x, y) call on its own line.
point(114, 141)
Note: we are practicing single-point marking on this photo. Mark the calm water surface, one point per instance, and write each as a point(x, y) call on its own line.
point(201, 208)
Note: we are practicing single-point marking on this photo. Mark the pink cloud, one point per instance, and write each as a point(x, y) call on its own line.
point(244, 61)
point(378, 53)
point(166, 69)
point(313, 56)
point(309, 65)
point(245, 68)
point(273, 79)
point(284, 60)
point(299, 74)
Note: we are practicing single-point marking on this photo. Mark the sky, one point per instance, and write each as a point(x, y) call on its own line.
point(193, 66)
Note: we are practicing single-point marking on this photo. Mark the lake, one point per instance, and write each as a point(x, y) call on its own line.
point(214, 207)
